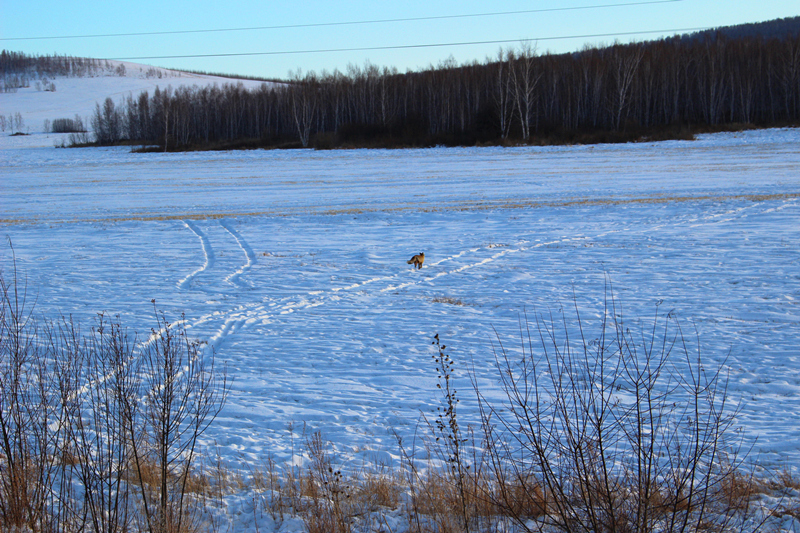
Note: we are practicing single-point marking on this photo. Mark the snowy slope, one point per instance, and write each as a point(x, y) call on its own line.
point(78, 96)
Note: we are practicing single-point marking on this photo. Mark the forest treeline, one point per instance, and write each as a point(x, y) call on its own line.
point(619, 92)
point(20, 64)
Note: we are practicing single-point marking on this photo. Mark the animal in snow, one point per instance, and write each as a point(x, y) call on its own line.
point(417, 260)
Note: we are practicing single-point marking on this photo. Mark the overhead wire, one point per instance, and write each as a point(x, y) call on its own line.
point(344, 23)
point(409, 46)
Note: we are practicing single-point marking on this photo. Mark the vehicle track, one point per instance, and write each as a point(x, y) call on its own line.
point(208, 255)
point(240, 317)
point(250, 257)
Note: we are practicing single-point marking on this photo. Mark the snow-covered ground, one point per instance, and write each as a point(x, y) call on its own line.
point(79, 95)
point(292, 265)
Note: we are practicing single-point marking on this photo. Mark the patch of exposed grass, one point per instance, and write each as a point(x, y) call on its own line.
point(448, 300)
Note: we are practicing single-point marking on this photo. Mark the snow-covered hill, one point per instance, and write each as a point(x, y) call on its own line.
point(79, 95)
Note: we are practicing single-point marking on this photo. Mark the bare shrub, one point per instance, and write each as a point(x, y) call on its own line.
point(68, 125)
point(612, 432)
point(86, 419)
point(788, 480)
point(448, 491)
point(178, 396)
point(33, 461)
point(328, 490)
point(90, 371)
point(448, 433)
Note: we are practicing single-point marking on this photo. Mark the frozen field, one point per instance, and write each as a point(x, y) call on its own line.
point(292, 265)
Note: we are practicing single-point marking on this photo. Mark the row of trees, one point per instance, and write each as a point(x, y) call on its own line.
point(18, 63)
point(14, 123)
point(517, 95)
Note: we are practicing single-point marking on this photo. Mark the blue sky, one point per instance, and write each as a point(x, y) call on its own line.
point(545, 29)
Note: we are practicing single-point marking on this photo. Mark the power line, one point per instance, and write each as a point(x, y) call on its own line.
point(408, 46)
point(344, 23)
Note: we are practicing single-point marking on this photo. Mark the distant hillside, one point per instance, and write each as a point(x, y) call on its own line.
point(35, 66)
point(18, 70)
point(39, 92)
point(771, 29)
point(18, 63)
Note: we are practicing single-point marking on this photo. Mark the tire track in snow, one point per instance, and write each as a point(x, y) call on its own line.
point(208, 253)
point(250, 257)
point(138, 348)
point(244, 315)
point(731, 214)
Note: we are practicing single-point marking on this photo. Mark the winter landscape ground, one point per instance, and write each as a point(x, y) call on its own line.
point(291, 265)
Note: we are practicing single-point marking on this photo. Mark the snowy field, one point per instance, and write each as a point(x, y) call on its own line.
point(292, 265)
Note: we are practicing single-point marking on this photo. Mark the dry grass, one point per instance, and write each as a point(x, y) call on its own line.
point(785, 485)
point(526, 498)
point(456, 206)
point(786, 479)
point(739, 489)
point(380, 490)
point(204, 481)
point(447, 300)
point(329, 500)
